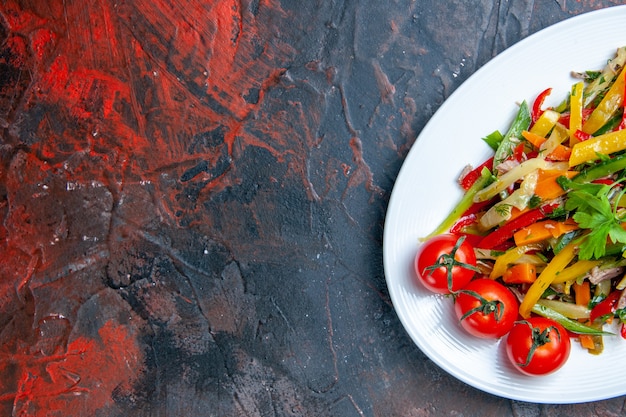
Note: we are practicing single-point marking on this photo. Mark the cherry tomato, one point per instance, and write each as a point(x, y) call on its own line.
point(486, 308)
point(445, 263)
point(538, 346)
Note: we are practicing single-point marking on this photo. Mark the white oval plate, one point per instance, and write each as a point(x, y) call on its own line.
point(426, 190)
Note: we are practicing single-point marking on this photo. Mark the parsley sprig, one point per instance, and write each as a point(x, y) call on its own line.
point(593, 209)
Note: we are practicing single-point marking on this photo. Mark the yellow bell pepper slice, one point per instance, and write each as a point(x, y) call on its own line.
point(503, 261)
point(611, 102)
point(606, 144)
point(545, 123)
point(573, 272)
point(547, 276)
point(576, 112)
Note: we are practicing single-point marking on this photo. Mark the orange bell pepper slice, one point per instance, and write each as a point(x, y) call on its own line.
point(540, 231)
point(547, 188)
point(560, 153)
point(523, 273)
point(582, 293)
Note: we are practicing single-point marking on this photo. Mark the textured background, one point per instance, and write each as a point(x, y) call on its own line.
point(192, 197)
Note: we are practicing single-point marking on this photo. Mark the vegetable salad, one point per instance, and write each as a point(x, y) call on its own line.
point(546, 214)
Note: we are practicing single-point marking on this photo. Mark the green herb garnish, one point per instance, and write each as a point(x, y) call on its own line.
point(592, 210)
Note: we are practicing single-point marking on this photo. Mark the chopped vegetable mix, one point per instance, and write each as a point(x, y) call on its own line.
point(546, 212)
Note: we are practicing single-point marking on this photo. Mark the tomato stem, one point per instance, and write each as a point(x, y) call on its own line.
point(539, 338)
point(448, 261)
point(486, 307)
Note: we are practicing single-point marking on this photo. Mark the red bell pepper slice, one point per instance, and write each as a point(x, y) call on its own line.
point(581, 136)
point(606, 181)
point(470, 178)
point(463, 222)
point(518, 153)
point(605, 308)
point(536, 110)
point(565, 117)
point(506, 231)
point(532, 154)
point(622, 125)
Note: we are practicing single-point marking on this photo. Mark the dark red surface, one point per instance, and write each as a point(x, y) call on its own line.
point(193, 193)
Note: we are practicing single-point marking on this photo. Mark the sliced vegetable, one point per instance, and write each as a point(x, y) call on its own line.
point(546, 277)
point(612, 101)
point(516, 174)
point(509, 257)
point(523, 273)
point(543, 230)
point(471, 177)
point(553, 147)
point(606, 308)
point(589, 150)
point(586, 341)
point(576, 111)
point(575, 271)
point(506, 231)
point(557, 153)
point(547, 186)
point(545, 123)
point(569, 310)
point(466, 202)
point(571, 325)
point(601, 170)
point(518, 199)
point(583, 293)
point(598, 86)
point(511, 138)
point(537, 111)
